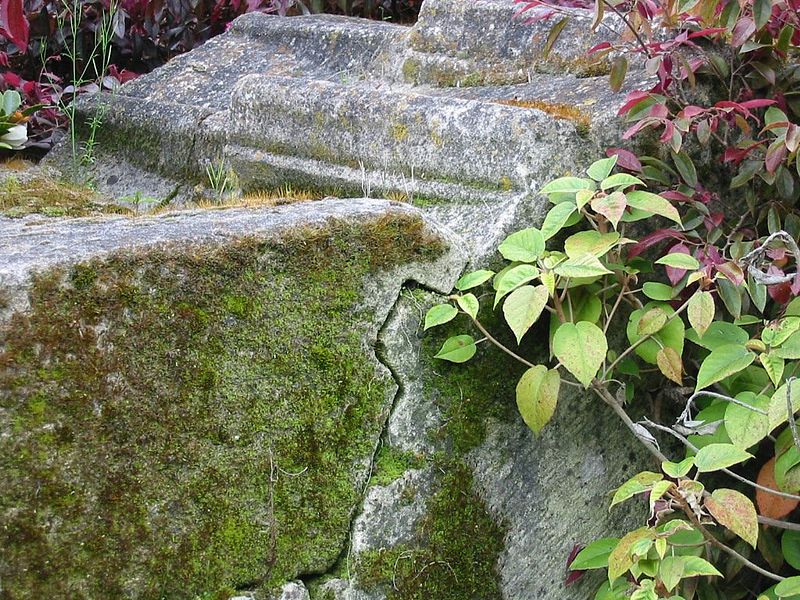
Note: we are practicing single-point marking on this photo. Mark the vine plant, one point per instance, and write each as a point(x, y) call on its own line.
point(733, 362)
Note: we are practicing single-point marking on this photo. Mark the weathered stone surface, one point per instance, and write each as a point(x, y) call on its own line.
point(279, 100)
point(190, 403)
point(485, 43)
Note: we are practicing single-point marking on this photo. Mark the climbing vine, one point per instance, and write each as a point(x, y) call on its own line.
point(731, 352)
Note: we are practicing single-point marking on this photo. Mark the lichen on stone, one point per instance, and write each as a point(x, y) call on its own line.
point(184, 421)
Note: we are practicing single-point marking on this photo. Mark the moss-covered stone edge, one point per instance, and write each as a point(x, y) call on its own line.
point(113, 370)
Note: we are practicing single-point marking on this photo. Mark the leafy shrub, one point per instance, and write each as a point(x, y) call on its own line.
point(715, 328)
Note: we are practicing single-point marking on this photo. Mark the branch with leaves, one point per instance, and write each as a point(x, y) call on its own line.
point(742, 368)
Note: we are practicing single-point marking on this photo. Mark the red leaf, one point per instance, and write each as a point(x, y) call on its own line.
point(713, 220)
point(692, 111)
point(674, 274)
point(775, 155)
point(14, 23)
point(598, 47)
point(706, 32)
point(632, 100)
point(573, 576)
point(675, 196)
point(758, 103)
point(742, 31)
point(625, 159)
point(650, 240)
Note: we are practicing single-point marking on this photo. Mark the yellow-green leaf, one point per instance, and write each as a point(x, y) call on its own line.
point(474, 279)
point(701, 311)
point(457, 349)
point(586, 265)
point(590, 242)
point(735, 511)
point(525, 246)
point(508, 280)
point(439, 315)
point(670, 364)
point(651, 322)
point(581, 348)
point(719, 456)
point(654, 204)
point(641, 482)
point(679, 261)
point(746, 427)
point(723, 362)
point(469, 304)
point(537, 395)
point(523, 307)
point(619, 561)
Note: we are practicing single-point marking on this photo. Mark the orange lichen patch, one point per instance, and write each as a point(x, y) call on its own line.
point(554, 109)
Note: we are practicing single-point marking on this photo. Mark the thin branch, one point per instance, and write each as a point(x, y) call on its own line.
point(648, 423)
point(494, 341)
point(629, 26)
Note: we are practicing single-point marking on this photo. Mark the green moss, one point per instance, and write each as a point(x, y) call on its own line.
point(51, 198)
point(184, 420)
point(457, 554)
point(390, 464)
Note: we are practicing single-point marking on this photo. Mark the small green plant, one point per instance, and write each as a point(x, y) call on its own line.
point(218, 179)
point(714, 328)
point(89, 67)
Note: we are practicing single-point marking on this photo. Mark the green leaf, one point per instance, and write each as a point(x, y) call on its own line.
point(719, 334)
point(679, 261)
point(469, 304)
point(619, 180)
point(457, 349)
point(555, 31)
point(777, 332)
point(639, 483)
point(670, 335)
point(721, 363)
point(474, 279)
point(508, 281)
point(581, 348)
point(659, 489)
point(685, 167)
point(719, 456)
point(654, 204)
point(670, 571)
point(658, 291)
point(790, 547)
point(786, 471)
point(651, 322)
point(595, 555)
point(439, 315)
point(601, 169)
point(694, 566)
point(788, 587)
point(701, 311)
point(556, 217)
point(680, 469)
point(590, 242)
point(746, 427)
point(731, 296)
point(537, 395)
point(586, 265)
point(523, 307)
point(612, 206)
point(616, 77)
point(778, 407)
point(773, 365)
point(735, 511)
point(789, 349)
point(525, 246)
point(567, 185)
